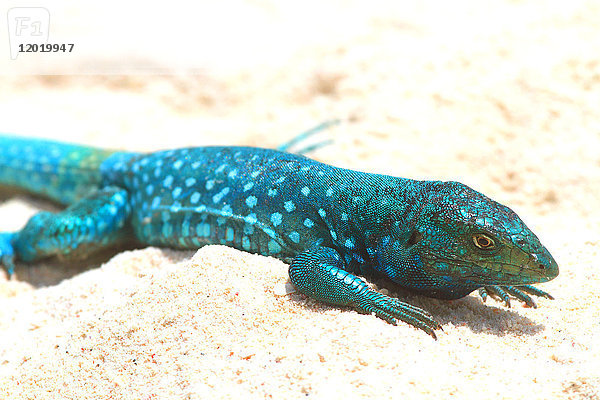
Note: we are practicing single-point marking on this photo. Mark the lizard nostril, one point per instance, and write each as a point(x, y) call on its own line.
point(537, 262)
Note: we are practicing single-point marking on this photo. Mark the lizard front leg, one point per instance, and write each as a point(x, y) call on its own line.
point(319, 273)
point(7, 253)
point(94, 222)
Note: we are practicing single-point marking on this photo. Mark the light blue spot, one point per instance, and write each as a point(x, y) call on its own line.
point(157, 172)
point(333, 234)
point(221, 168)
point(251, 201)
point(227, 211)
point(251, 218)
point(269, 231)
point(255, 174)
point(229, 234)
point(344, 216)
point(118, 198)
point(145, 178)
point(233, 173)
point(177, 164)
point(196, 165)
point(189, 182)
point(209, 184)
point(221, 220)
point(275, 218)
point(185, 227)
point(280, 179)
point(329, 192)
point(274, 247)
point(305, 190)
point(289, 206)
point(322, 213)
point(159, 162)
point(295, 237)
point(245, 243)
point(195, 197)
point(308, 223)
point(168, 181)
point(349, 243)
point(248, 186)
point(176, 192)
point(200, 209)
point(175, 207)
point(272, 192)
point(217, 197)
point(167, 230)
point(203, 230)
point(149, 190)
point(156, 202)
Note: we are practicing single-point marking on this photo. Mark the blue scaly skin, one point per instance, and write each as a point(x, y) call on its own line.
point(332, 225)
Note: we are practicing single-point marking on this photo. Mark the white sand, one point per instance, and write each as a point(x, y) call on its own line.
point(501, 95)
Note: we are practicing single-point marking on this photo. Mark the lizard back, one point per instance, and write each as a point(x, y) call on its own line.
point(258, 200)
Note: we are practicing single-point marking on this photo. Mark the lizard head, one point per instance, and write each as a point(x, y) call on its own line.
point(462, 240)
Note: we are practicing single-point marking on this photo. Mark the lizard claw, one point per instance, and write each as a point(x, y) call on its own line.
point(392, 310)
point(504, 294)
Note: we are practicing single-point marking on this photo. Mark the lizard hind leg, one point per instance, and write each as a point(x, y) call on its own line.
point(95, 222)
point(318, 273)
point(305, 135)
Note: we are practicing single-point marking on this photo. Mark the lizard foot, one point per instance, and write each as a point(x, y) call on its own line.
point(7, 254)
point(504, 294)
point(391, 310)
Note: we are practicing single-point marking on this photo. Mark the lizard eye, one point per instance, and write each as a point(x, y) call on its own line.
point(484, 242)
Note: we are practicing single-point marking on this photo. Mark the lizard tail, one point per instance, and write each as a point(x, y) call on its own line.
point(59, 171)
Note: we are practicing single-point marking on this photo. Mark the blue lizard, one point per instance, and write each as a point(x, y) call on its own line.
point(332, 225)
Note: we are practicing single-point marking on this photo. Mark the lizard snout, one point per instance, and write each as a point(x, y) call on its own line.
point(545, 264)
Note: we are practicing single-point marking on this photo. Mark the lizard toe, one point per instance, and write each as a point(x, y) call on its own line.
point(521, 293)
